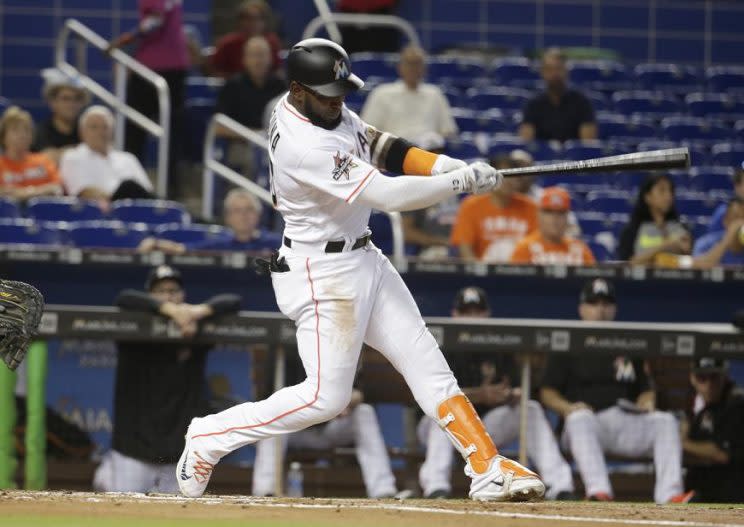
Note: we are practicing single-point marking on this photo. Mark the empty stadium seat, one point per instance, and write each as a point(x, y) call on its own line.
point(198, 112)
point(491, 121)
point(728, 154)
point(193, 235)
point(27, 231)
point(715, 105)
point(608, 204)
point(739, 129)
point(712, 179)
point(382, 231)
point(725, 78)
point(9, 208)
point(593, 224)
point(599, 100)
point(453, 94)
point(600, 252)
point(200, 87)
point(461, 149)
point(504, 99)
point(107, 234)
point(515, 72)
point(621, 127)
point(600, 75)
point(455, 71)
point(667, 77)
point(646, 103)
point(693, 128)
point(694, 206)
point(150, 211)
point(374, 65)
point(63, 208)
point(579, 150)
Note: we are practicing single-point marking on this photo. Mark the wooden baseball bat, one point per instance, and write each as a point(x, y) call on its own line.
point(652, 160)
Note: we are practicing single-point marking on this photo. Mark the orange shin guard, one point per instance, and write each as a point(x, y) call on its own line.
point(458, 419)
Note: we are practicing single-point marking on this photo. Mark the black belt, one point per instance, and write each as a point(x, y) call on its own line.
point(338, 246)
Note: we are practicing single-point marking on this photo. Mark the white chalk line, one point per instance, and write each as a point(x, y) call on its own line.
point(268, 502)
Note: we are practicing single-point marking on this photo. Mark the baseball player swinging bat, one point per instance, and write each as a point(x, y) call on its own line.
point(654, 160)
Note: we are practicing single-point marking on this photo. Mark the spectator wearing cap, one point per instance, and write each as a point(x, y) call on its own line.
point(654, 229)
point(159, 387)
point(24, 174)
point(560, 112)
point(488, 227)
point(606, 405)
point(714, 436)
point(242, 212)
point(716, 220)
point(410, 107)
point(550, 244)
point(66, 98)
point(491, 382)
point(96, 170)
point(726, 246)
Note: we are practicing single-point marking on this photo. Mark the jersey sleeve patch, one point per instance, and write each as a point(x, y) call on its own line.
point(340, 174)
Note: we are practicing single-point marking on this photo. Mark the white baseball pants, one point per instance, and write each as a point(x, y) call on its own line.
point(502, 424)
point(587, 435)
point(359, 428)
point(337, 301)
point(120, 473)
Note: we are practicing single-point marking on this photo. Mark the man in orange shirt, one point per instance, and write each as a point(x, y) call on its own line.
point(550, 244)
point(488, 226)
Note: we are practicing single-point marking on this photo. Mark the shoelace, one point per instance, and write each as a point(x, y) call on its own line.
point(202, 469)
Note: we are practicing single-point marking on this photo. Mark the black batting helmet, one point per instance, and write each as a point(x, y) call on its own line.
point(323, 66)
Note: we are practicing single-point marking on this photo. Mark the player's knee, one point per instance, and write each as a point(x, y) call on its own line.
point(365, 412)
point(332, 403)
point(580, 418)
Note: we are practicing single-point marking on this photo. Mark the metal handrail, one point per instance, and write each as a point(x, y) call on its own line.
point(117, 100)
point(398, 23)
point(212, 166)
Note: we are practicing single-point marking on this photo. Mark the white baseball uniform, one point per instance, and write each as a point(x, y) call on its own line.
point(502, 423)
point(120, 473)
point(337, 300)
point(359, 428)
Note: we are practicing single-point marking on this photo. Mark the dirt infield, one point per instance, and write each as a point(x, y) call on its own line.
point(61, 509)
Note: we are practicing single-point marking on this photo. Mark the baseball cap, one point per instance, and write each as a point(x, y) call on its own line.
point(597, 289)
point(55, 78)
point(521, 157)
point(709, 365)
point(555, 198)
point(162, 272)
point(471, 298)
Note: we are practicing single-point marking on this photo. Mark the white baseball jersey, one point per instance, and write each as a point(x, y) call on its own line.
point(317, 174)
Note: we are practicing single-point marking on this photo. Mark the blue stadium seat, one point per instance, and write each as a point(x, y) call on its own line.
point(693, 128)
point(600, 75)
point(600, 252)
point(9, 208)
point(355, 99)
point(515, 72)
point(107, 234)
point(505, 99)
point(374, 65)
point(200, 87)
point(645, 103)
point(608, 204)
point(725, 78)
point(615, 126)
point(193, 235)
point(599, 100)
point(461, 149)
point(26, 231)
point(712, 179)
point(579, 150)
point(453, 94)
point(197, 113)
point(739, 129)
point(694, 206)
point(150, 211)
point(491, 121)
point(728, 154)
point(715, 105)
point(667, 77)
point(382, 231)
point(593, 223)
point(63, 208)
point(502, 144)
point(455, 71)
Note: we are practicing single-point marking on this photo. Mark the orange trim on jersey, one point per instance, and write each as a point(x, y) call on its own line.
point(317, 389)
point(418, 162)
point(290, 110)
point(359, 186)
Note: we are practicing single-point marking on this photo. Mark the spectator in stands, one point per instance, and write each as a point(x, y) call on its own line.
point(244, 98)
point(242, 214)
point(493, 387)
point(159, 388)
point(409, 107)
point(716, 220)
point(253, 19)
point(161, 46)
point(654, 228)
point(23, 174)
point(95, 170)
point(560, 112)
point(66, 97)
point(715, 435)
point(550, 244)
point(356, 426)
point(489, 226)
point(726, 246)
point(607, 406)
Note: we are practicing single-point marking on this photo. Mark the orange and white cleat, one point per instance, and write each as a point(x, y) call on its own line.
point(193, 470)
point(685, 497)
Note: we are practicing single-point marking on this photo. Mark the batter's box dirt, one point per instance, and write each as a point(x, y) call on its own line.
point(68, 509)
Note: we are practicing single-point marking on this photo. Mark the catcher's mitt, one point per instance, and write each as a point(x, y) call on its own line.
point(20, 312)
